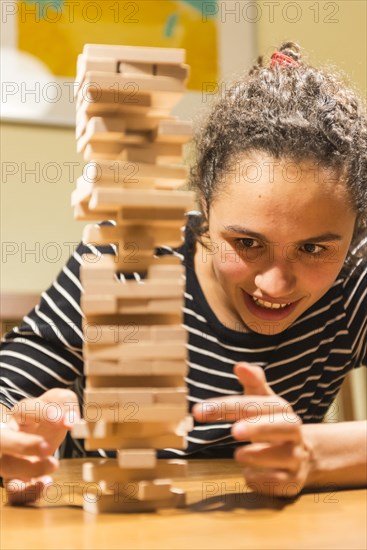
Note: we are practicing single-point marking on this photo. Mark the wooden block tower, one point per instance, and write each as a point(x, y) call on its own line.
point(134, 343)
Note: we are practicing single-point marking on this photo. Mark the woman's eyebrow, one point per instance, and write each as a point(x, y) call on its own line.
point(324, 237)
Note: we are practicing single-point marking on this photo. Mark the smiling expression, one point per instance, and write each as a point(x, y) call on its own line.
point(279, 233)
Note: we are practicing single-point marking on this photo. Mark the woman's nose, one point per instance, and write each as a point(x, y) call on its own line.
point(276, 281)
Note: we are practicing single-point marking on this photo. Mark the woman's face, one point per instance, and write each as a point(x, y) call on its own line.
point(279, 234)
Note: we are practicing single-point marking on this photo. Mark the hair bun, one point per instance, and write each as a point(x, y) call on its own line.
point(291, 49)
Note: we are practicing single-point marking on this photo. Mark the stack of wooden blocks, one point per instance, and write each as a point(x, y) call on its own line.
point(135, 345)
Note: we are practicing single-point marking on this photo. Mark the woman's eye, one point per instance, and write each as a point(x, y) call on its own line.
point(311, 248)
point(247, 243)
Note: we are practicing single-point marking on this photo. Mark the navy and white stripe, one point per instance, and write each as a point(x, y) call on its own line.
point(306, 364)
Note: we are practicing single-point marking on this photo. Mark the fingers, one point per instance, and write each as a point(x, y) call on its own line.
point(57, 407)
point(26, 469)
point(259, 399)
point(21, 493)
point(66, 401)
point(279, 427)
point(253, 379)
point(273, 483)
point(278, 460)
point(20, 443)
point(284, 456)
point(239, 407)
point(274, 469)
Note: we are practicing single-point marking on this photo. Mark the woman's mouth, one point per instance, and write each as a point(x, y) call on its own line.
point(269, 305)
point(268, 311)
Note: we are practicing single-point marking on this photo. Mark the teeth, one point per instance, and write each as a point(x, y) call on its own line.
point(268, 305)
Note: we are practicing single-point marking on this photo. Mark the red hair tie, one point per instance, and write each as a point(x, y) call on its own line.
point(279, 58)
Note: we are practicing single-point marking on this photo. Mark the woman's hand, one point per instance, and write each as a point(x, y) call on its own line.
point(30, 433)
point(278, 460)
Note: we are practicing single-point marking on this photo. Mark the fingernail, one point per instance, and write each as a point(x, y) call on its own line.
point(196, 409)
point(240, 429)
point(44, 448)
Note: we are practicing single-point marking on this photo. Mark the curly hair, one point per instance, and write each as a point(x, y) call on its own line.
point(292, 111)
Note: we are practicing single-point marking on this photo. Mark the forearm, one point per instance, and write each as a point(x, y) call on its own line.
point(339, 454)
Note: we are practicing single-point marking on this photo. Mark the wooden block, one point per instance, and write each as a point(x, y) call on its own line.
point(130, 259)
point(102, 304)
point(159, 272)
point(121, 107)
point(97, 130)
point(136, 458)
point(129, 100)
point(100, 334)
point(162, 154)
point(130, 430)
point(117, 199)
point(105, 266)
point(144, 236)
point(157, 489)
point(98, 85)
point(108, 305)
point(131, 122)
point(135, 319)
point(95, 266)
point(142, 490)
point(135, 291)
point(181, 72)
point(104, 64)
point(138, 68)
point(106, 129)
point(139, 396)
point(109, 471)
point(120, 173)
point(145, 123)
point(82, 193)
point(143, 105)
point(134, 54)
point(124, 367)
point(160, 215)
point(154, 153)
point(111, 503)
point(83, 429)
point(131, 412)
point(173, 131)
point(123, 381)
point(138, 351)
point(102, 150)
point(134, 215)
point(85, 64)
point(111, 198)
point(82, 212)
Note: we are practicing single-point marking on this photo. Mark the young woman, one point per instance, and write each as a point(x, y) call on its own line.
point(276, 292)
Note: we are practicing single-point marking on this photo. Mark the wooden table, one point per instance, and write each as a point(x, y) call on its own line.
point(221, 513)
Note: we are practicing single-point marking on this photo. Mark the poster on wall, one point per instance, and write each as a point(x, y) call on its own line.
point(41, 40)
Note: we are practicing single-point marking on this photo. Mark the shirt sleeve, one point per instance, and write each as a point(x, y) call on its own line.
point(45, 350)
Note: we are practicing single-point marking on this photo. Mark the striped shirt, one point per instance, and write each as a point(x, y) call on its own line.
point(305, 364)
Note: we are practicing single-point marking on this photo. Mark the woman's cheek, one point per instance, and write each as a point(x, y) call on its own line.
point(232, 268)
point(320, 278)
